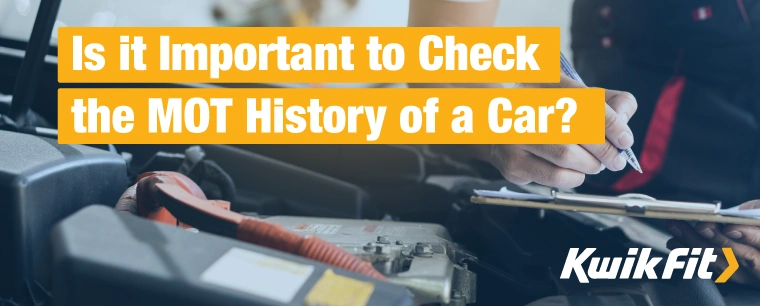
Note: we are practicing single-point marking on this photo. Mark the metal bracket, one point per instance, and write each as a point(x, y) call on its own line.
point(34, 59)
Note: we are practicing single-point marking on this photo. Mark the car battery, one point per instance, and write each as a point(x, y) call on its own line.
point(103, 257)
point(42, 182)
point(420, 256)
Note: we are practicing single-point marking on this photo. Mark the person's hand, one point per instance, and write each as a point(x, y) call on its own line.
point(744, 240)
point(565, 166)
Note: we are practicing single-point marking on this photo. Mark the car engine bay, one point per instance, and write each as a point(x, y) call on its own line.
point(404, 209)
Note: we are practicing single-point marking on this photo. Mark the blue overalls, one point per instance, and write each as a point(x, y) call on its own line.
point(694, 67)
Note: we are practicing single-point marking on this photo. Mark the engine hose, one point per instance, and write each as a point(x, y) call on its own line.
point(274, 236)
point(128, 201)
point(180, 196)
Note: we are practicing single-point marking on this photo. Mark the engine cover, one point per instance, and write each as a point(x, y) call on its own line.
point(41, 182)
point(419, 256)
point(103, 257)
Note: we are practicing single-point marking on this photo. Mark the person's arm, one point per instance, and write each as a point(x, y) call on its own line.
point(552, 165)
point(452, 13)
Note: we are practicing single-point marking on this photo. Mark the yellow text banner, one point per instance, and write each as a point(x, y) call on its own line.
point(331, 116)
point(309, 55)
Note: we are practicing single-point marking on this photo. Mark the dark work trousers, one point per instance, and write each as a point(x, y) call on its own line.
point(697, 128)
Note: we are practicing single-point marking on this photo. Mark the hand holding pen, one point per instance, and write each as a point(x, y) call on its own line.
point(623, 145)
point(566, 165)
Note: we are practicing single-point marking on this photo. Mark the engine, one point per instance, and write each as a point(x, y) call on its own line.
point(291, 225)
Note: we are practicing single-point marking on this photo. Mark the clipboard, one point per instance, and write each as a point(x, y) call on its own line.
point(631, 205)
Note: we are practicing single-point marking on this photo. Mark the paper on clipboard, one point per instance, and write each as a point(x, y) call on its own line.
point(505, 193)
point(735, 212)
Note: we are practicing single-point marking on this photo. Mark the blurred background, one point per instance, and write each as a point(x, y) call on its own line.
point(17, 16)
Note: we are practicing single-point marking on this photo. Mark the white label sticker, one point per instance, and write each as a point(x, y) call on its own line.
point(384, 230)
point(322, 229)
point(258, 274)
point(393, 231)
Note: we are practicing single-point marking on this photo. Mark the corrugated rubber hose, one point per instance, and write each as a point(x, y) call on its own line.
point(175, 194)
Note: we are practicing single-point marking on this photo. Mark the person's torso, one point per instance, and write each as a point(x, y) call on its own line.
point(671, 21)
point(710, 150)
point(714, 39)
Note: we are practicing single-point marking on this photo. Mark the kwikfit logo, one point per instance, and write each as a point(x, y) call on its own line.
point(639, 262)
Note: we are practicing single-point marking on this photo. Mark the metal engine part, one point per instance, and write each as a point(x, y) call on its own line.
point(419, 256)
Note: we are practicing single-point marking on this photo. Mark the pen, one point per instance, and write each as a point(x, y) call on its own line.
point(570, 72)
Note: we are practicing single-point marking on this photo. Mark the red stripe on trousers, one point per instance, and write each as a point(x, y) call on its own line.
point(657, 138)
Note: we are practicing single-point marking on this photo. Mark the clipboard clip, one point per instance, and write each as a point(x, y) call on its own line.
point(635, 203)
point(634, 208)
